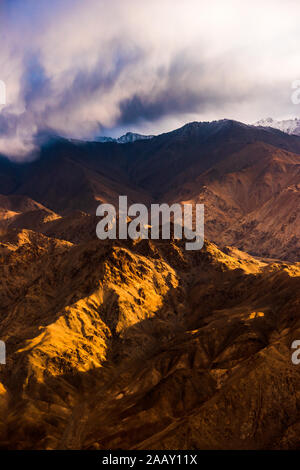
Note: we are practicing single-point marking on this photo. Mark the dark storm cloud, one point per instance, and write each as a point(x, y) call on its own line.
point(79, 68)
point(180, 89)
point(35, 83)
point(98, 80)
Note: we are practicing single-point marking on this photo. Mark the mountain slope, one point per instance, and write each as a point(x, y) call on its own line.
point(251, 201)
point(142, 344)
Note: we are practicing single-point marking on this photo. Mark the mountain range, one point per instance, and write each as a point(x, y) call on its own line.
point(140, 344)
point(247, 176)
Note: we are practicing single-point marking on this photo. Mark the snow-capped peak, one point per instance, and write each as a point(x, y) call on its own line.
point(290, 126)
point(132, 137)
point(126, 138)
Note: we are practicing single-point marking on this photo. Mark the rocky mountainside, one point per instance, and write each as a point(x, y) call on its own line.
point(145, 345)
point(142, 344)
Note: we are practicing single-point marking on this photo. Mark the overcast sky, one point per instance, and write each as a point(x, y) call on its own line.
point(84, 68)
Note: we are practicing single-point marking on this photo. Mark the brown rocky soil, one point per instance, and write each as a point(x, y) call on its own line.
point(145, 345)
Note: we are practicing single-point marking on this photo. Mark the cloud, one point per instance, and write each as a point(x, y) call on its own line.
point(107, 66)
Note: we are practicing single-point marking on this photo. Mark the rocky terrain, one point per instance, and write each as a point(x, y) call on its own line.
point(142, 344)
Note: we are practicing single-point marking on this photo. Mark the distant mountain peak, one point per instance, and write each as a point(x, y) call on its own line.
point(126, 138)
point(289, 126)
point(132, 137)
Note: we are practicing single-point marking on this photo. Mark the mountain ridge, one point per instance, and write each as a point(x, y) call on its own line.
point(233, 168)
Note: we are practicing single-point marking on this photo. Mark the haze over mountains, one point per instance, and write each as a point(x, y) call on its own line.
point(142, 344)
